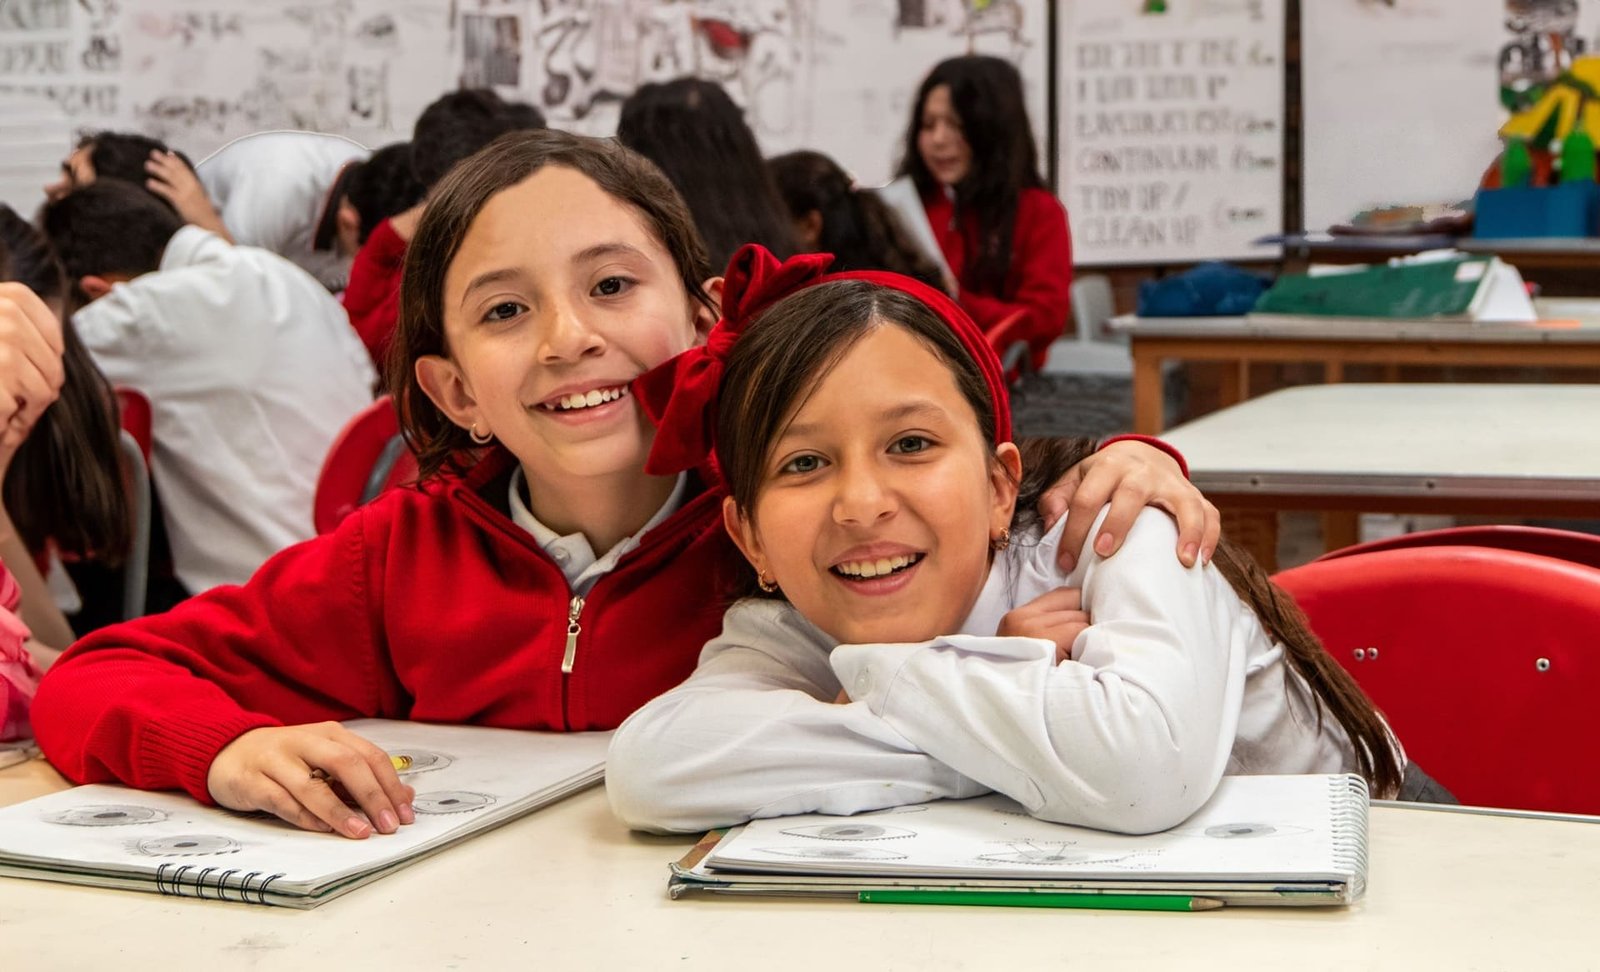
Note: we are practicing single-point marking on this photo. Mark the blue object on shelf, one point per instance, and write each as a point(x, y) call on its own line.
point(1208, 290)
point(1568, 209)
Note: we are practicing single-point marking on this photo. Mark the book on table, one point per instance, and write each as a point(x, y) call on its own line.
point(1259, 840)
point(1460, 288)
point(468, 780)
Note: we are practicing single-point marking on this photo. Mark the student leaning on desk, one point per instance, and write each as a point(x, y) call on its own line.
point(909, 633)
point(549, 271)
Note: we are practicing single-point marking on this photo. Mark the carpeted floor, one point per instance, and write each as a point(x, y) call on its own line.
point(1077, 404)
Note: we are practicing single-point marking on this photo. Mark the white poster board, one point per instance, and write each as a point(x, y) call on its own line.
point(1171, 135)
point(825, 74)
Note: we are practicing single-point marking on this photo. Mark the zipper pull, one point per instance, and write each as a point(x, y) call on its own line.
point(573, 610)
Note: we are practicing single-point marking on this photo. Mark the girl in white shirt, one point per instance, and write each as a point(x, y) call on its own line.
point(910, 636)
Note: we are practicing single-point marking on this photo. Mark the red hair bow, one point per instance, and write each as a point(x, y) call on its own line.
point(680, 395)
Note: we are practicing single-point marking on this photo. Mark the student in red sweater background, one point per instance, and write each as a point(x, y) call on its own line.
point(970, 150)
point(541, 577)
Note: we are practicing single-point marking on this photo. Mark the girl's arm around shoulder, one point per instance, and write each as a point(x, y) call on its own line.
point(150, 702)
point(753, 733)
point(1131, 734)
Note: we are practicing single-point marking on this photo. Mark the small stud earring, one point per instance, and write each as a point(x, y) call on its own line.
point(480, 438)
point(1001, 542)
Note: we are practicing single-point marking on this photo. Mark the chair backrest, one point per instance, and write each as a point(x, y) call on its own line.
point(1580, 548)
point(1484, 662)
point(367, 457)
point(136, 573)
point(1093, 305)
point(1009, 339)
point(134, 410)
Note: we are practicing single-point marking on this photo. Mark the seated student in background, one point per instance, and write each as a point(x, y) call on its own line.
point(832, 216)
point(908, 633)
point(698, 136)
point(62, 502)
point(453, 127)
point(970, 151)
point(115, 155)
point(540, 578)
point(277, 190)
point(377, 189)
point(249, 364)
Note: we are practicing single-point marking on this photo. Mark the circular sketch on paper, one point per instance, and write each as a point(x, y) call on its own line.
point(422, 760)
point(1047, 854)
point(836, 853)
point(851, 831)
point(451, 801)
point(188, 845)
point(105, 815)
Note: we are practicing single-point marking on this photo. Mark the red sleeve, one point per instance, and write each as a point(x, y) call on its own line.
point(373, 297)
point(1154, 443)
point(1041, 274)
point(151, 702)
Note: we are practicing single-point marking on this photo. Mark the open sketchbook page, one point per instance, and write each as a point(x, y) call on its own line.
point(901, 196)
point(467, 779)
point(1253, 828)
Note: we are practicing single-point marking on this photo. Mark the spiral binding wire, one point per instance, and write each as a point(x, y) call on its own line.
point(173, 879)
point(1350, 800)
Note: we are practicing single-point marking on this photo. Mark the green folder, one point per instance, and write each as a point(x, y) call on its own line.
point(1453, 289)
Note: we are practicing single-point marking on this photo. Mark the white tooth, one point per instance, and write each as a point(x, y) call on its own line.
point(895, 563)
point(593, 398)
point(884, 566)
point(571, 401)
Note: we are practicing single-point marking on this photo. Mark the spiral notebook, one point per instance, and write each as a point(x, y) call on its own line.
point(467, 779)
point(1260, 840)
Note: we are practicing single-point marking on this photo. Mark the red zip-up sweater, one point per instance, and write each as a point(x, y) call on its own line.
point(372, 298)
point(1040, 279)
point(432, 606)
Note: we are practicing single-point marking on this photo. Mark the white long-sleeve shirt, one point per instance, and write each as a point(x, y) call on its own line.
point(271, 189)
point(251, 368)
point(1174, 683)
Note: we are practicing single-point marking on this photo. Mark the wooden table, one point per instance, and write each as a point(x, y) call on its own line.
point(1515, 450)
point(1335, 343)
point(569, 888)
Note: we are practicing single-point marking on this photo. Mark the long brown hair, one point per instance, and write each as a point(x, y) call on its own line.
point(782, 357)
point(456, 201)
point(64, 484)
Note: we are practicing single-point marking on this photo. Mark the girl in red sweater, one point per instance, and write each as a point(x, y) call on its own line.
point(541, 577)
point(970, 151)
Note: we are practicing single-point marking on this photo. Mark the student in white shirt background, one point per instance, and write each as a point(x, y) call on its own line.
point(249, 363)
point(863, 426)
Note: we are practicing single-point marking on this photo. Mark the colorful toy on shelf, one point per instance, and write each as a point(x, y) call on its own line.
point(1544, 184)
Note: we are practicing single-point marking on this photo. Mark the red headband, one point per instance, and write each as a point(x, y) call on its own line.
point(680, 395)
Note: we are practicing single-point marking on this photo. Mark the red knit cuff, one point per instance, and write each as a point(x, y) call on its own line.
point(184, 748)
point(1154, 442)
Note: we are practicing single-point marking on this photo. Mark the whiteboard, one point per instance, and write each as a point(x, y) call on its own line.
point(1171, 135)
point(834, 75)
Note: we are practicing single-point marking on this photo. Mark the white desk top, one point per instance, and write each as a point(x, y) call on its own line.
point(1343, 328)
point(1460, 441)
point(569, 888)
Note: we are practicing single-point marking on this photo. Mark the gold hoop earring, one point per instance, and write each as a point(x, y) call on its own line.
point(1001, 542)
point(479, 438)
point(768, 586)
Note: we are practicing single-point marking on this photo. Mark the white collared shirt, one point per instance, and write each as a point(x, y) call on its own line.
point(572, 553)
point(251, 368)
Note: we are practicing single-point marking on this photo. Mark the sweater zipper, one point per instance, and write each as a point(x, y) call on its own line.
point(573, 629)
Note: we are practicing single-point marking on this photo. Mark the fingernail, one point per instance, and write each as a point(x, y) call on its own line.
point(407, 815)
point(1206, 557)
point(387, 822)
point(1102, 544)
point(1189, 552)
point(356, 827)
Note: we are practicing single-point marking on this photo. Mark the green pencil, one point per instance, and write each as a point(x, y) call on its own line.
point(1043, 899)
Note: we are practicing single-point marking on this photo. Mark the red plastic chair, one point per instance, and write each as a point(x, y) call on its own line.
point(367, 457)
point(1483, 661)
point(1009, 339)
point(1579, 548)
point(135, 412)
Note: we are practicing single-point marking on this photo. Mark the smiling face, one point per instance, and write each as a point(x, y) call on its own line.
point(941, 141)
point(879, 499)
point(558, 297)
